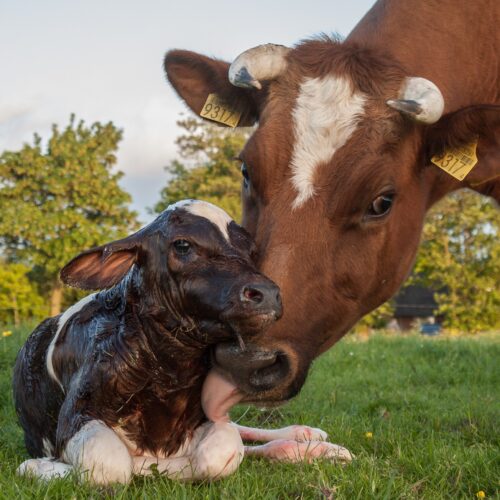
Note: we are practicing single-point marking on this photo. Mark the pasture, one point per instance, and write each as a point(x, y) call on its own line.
point(421, 415)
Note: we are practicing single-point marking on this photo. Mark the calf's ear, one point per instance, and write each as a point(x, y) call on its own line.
point(195, 76)
point(481, 124)
point(100, 267)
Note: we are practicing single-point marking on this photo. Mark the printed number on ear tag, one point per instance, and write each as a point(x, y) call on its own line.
point(218, 111)
point(458, 162)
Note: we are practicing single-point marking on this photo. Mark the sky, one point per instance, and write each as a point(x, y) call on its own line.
point(102, 60)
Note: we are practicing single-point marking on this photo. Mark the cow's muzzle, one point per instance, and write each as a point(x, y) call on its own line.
point(254, 370)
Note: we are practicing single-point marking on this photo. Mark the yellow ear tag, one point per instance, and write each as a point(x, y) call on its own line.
point(458, 162)
point(217, 110)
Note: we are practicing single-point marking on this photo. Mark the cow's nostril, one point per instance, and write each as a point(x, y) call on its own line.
point(251, 294)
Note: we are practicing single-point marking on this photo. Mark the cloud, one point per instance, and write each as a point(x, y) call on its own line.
point(14, 112)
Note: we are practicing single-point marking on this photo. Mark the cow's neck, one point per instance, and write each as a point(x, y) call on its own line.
point(452, 43)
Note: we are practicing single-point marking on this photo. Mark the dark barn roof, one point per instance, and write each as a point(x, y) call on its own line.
point(415, 300)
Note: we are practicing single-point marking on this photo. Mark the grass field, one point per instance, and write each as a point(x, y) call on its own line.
point(432, 406)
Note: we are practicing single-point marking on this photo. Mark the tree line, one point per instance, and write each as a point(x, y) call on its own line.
point(62, 196)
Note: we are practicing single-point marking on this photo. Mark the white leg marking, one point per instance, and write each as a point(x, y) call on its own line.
point(300, 433)
point(62, 321)
point(326, 114)
point(98, 452)
point(293, 451)
point(215, 451)
point(44, 469)
point(214, 214)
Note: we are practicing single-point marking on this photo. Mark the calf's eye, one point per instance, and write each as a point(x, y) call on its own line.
point(182, 247)
point(380, 206)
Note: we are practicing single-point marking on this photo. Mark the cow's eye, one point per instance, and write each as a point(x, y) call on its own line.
point(182, 247)
point(380, 206)
point(244, 173)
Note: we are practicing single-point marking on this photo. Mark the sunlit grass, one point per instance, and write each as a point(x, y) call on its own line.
point(421, 415)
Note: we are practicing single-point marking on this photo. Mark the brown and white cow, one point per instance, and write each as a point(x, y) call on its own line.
point(337, 177)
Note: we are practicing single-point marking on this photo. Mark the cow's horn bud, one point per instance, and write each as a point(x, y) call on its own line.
point(264, 62)
point(420, 99)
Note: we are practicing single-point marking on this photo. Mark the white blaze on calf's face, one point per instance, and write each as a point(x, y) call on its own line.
point(214, 214)
point(326, 114)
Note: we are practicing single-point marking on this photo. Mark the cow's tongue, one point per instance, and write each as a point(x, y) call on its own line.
point(218, 397)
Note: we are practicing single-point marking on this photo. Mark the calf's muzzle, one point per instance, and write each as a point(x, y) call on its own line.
point(263, 297)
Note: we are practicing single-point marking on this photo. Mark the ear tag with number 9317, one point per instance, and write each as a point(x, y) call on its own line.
point(217, 110)
point(458, 162)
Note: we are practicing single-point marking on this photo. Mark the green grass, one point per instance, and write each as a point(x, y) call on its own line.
point(431, 404)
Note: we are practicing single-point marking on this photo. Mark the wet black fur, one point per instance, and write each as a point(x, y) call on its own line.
point(136, 355)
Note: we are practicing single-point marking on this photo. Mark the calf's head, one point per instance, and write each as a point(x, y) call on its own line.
point(336, 181)
point(192, 265)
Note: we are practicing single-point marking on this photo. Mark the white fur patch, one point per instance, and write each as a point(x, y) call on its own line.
point(326, 114)
point(219, 452)
point(62, 321)
point(211, 212)
point(97, 451)
point(48, 447)
point(44, 469)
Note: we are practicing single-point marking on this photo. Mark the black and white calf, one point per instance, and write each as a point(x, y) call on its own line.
point(116, 383)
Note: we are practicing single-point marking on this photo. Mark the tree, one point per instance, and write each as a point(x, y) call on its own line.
point(19, 298)
point(460, 258)
point(208, 168)
point(59, 200)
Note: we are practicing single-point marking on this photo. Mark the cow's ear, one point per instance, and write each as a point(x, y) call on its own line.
point(100, 267)
point(195, 76)
point(479, 124)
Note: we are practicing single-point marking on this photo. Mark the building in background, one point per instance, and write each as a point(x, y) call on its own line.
point(415, 305)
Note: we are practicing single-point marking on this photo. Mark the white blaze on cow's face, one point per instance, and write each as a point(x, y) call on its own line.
point(325, 115)
point(204, 209)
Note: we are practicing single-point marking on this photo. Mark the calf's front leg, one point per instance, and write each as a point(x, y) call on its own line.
point(215, 451)
point(284, 450)
point(295, 443)
point(300, 433)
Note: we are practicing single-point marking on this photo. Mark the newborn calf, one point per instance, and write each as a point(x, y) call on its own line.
point(114, 385)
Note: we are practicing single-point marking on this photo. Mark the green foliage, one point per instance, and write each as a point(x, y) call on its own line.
point(59, 200)
point(377, 319)
point(208, 170)
point(460, 257)
point(19, 298)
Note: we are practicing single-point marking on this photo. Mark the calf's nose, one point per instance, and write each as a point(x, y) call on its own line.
point(262, 296)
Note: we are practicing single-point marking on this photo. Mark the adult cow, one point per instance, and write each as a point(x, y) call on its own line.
point(337, 177)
